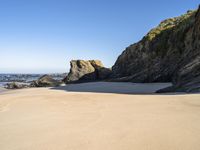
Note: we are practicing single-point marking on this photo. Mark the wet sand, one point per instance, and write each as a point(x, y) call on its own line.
point(2, 90)
point(72, 119)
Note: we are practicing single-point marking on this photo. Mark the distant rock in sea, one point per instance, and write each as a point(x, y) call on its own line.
point(83, 71)
point(168, 53)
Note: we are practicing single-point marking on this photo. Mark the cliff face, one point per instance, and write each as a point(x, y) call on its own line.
point(169, 52)
point(188, 75)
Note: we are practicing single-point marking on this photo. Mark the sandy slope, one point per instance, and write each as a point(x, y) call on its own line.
point(52, 119)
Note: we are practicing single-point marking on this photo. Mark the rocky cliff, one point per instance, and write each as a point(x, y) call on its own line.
point(168, 53)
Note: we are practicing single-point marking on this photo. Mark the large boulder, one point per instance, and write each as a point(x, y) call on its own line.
point(168, 53)
point(86, 70)
point(45, 81)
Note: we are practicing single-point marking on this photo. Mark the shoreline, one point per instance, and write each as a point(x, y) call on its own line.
point(107, 87)
point(2, 90)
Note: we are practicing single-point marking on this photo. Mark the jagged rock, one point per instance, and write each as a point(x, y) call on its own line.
point(45, 81)
point(16, 85)
point(168, 53)
point(90, 70)
point(79, 69)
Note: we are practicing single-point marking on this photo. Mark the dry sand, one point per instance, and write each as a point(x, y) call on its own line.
point(54, 119)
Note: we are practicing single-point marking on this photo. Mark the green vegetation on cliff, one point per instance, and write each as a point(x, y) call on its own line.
point(167, 24)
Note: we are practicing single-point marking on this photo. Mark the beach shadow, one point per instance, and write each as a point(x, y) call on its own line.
point(117, 88)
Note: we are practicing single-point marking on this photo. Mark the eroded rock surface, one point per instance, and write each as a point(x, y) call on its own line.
point(87, 70)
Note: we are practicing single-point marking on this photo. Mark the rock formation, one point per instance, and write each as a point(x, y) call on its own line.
point(168, 53)
point(16, 85)
point(90, 70)
point(45, 81)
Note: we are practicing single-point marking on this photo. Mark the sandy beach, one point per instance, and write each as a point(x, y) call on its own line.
point(93, 117)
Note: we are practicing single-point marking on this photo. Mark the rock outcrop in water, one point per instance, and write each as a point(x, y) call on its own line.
point(45, 81)
point(16, 85)
point(168, 53)
point(84, 71)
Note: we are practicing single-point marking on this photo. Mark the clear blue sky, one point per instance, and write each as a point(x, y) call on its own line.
point(42, 36)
